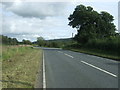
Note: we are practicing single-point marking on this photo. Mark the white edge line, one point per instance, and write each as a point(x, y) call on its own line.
point(44, 78)
point(68, 55)
point(99, 69)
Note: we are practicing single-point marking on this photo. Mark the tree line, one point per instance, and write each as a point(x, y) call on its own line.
point(13, 41)
point(57, 43)
point(39, 42)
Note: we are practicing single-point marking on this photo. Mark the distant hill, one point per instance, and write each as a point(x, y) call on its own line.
point(61, 40)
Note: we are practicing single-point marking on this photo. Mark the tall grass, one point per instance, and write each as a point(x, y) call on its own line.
point(20, 66)
point(10, 51)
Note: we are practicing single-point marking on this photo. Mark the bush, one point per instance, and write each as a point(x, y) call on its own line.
point(74, 45)
point(107, 44)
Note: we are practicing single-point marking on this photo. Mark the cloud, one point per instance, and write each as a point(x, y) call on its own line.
point(119, 16)
point(30, 20)
point(35, 9)
point(31, 28)
point(7, 4)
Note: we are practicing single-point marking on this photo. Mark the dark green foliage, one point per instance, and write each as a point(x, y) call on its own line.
point(13, 41)
point(56, 43)
point(107, 47)
point(72, 45)
point(95, 32)
point(27, 42)
point(45, 43)
point(41, 41)
point(91, 24)
point(52, 44)
point(8, 40)
point(111, 44)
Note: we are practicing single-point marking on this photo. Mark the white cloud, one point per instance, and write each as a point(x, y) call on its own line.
point(31, 20)
point(31, 28)
point(35, 9)
point(119, 16)
point(62, 0)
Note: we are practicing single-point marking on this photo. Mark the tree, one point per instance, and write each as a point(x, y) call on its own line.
point(40, 41)
point(9, 41)
point(14, 41)
point(90, 24)
point(4, 39)
point(27, 42)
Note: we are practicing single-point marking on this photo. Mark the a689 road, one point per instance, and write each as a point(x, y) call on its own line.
point(67, 69)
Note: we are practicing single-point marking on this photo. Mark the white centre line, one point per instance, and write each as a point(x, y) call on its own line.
point(99, 69)
point(44, 78)
point(68, 55)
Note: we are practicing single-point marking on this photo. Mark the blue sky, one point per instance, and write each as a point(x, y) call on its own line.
point(26, 20)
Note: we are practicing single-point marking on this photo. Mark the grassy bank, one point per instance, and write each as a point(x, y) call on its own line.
point(20, 66)
point(94, 51)
point(100, 53)
point(0, 66)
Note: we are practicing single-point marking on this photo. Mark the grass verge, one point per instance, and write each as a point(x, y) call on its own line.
point(100, 53)
point(20, 66)
point(0, 66)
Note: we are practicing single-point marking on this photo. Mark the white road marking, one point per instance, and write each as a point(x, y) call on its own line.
point(99, 69)
point(44, 78)
point(68, 55)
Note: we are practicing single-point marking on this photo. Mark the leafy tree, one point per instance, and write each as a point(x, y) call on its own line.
point(28, 42)
point(55, 44)
point(15, 41)
point(9, 41)
point(91, 24)
point(41, 41)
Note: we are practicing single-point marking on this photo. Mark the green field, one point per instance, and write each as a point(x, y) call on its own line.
point(20, 66)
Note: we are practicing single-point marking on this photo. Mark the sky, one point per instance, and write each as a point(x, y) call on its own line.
point(29, 20)
point(119, 16)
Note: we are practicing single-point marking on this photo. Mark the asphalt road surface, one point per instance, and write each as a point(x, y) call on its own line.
point(67, 69)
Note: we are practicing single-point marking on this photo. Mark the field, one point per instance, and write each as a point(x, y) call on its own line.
point(20, 66)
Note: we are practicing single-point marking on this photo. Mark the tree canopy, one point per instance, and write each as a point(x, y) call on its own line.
point(40, 41)
point(13, 41)
point(27, 42)
point(91, 24)
point(8, 40)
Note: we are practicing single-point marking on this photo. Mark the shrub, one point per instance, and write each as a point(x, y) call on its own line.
point(108, 44)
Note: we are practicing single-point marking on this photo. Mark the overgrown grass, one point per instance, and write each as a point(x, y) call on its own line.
point(10, 51)
point(20, 66)
point(0, 66)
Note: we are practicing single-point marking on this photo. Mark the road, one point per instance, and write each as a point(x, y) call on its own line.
point(67, 69)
